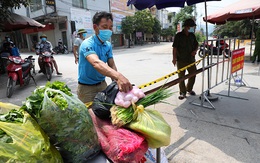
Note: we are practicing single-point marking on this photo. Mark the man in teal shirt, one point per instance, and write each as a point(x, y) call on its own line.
point(96, 61)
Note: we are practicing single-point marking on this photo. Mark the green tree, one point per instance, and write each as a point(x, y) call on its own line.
point(167, 32)
point(242, 29)
point(184, 14)
point(7, 5)
point(128, 27)
point(144, 21)
point(157, 29)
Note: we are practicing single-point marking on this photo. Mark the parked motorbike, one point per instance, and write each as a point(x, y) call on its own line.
point(61, 49)
point(222, 49)
point(47, 65)
point(19, 72)
point(4, 61)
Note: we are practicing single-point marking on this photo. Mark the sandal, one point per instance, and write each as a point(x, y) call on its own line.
point(192, 93)
point(182, 96)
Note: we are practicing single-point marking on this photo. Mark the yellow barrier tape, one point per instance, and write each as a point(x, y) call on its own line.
point(169, 75)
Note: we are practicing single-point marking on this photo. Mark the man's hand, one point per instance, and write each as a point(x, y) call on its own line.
point(123, 84)
point(174, 61)
point(194, 53)
point(76, 58)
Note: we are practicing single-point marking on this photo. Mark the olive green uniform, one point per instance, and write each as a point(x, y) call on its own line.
point(185, 45)
point(257, 46)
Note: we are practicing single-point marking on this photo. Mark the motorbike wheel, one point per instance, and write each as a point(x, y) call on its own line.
point(48, 72)
point(66, 51)
point(201, 54)
point(56, 50)
point(227, 53)
point(10, 87)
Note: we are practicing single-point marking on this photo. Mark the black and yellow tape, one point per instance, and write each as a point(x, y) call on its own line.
point(169, 75)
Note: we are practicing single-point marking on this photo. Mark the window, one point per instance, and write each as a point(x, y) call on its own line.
point(79, 3)
point(36, 5)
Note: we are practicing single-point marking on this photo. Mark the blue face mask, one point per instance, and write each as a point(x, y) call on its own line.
point(44, 39)
point(192, 29)
point(8, 39)
point(84, 35)
point(105, 35)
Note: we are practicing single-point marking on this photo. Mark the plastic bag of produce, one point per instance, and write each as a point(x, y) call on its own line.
point(104, 100)
point(22, 139)
point(119, 144)
point(66, 120)
point(6, 107)
point(152, 125)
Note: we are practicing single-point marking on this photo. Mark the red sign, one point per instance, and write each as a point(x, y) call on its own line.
point(237, 59)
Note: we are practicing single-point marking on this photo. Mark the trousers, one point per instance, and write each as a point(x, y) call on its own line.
point(183, 88)
point(87, 93)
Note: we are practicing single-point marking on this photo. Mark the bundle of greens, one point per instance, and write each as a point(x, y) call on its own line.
point(22, 140)
point(65, 119)
point(121, 116)
point(148, 122)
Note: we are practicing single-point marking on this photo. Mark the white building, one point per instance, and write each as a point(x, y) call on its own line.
point(62, 18)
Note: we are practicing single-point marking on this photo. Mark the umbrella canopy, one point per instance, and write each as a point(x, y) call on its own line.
point(240, 10)
point(16, 22)
point(142, 4)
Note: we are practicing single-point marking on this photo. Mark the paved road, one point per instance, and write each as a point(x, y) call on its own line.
point(230, 133)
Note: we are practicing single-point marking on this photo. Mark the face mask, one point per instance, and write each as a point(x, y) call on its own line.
point(8, 39)
point(84, 35)
point(105, 35)
point(44, 39)
point(192, 29)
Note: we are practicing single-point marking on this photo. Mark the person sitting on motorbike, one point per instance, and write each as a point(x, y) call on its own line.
point(45, 46)
point(7, 45)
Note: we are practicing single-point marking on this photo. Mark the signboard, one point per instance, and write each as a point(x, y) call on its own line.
point(82, 18)
point(237, 60)
point(138, 34)
point(50, 2)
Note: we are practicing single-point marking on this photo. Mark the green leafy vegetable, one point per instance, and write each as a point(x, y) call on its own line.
point(33, 103)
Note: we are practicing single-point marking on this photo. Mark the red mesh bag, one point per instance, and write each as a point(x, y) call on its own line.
point(119, 144)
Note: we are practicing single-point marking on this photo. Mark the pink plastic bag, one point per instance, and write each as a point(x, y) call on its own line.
point(119, 144)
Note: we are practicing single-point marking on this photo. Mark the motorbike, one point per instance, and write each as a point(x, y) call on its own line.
point(4, 61)
point(19, 71)
point(61, 48)
point(222, 49)
point(47, 65)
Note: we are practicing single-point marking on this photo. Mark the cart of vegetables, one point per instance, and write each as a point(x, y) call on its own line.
point(53, 125)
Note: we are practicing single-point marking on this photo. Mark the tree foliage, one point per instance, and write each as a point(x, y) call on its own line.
point(184, 14)
point(7, 5)
point(144, 21)
point(241, 29)
point(128, 25)
point(157, 28)
point(167, 32)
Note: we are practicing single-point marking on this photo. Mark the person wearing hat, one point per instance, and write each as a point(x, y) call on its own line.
point(185, 46)
point(82, 33)
point(42, 47)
